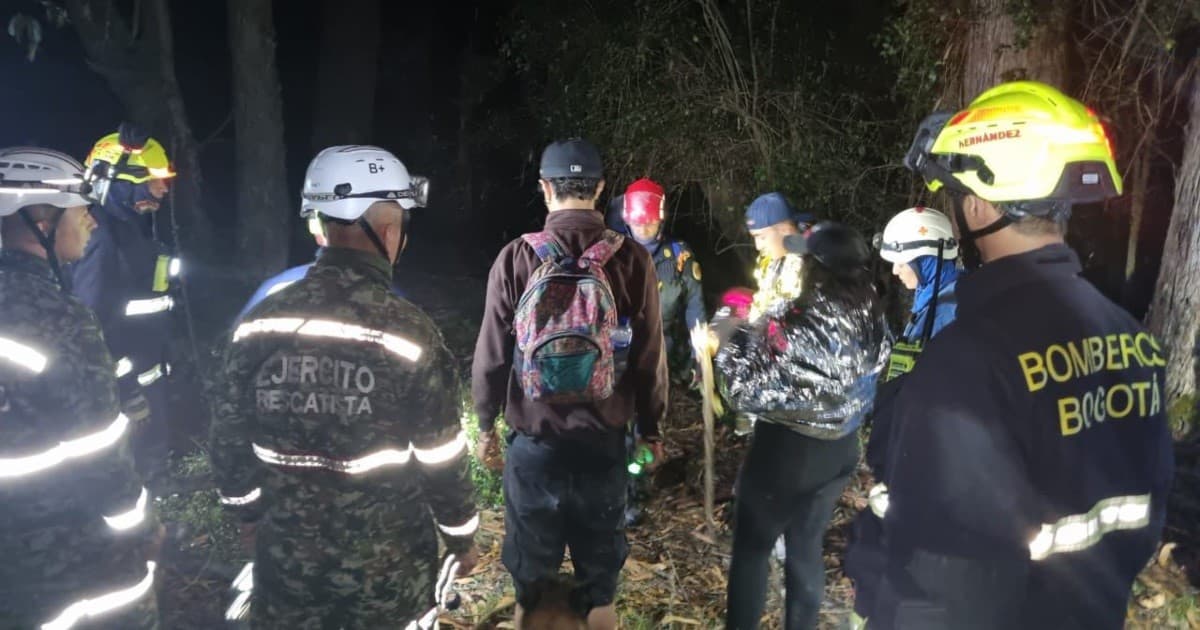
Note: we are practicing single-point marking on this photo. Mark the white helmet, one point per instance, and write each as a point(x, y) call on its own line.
point(343, 181)
point(914, 233)
point(31, 176)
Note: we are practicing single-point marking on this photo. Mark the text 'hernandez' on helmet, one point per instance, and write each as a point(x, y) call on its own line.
point(145, 162)
point(31, 176)
point(1019, 141)
point(917, 232)
point(343, 181)
point(643, 203)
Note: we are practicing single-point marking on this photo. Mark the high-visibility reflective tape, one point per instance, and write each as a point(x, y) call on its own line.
point(279, 286)
point(330, 329)
point(877, 498)
point(356, 466)
point(23, 355)
point(124, 367)
point(446, 577)
point(132, 518)
point(149, 306)
point(147, 378)
point(268, 325)
point(428, 621)
point(244, 585)
point(96, 606)
point(240, 607)
point(246, 499)
point(444, 452)
point(466, 529)
point(174, 267)
point(1080, 531)
point(11, 467)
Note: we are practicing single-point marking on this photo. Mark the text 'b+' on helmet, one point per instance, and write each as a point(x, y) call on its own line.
point(343, 181)
point(914, 233)
point(644, 203)
point(1019, 141)
point(31, 176)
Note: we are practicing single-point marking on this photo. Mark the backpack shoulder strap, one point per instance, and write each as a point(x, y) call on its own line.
point(543, 245)
point(602, 250)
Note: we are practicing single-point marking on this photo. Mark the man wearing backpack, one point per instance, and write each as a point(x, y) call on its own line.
point(545, 356)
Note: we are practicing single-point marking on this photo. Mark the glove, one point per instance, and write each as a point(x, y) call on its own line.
point(136, 408)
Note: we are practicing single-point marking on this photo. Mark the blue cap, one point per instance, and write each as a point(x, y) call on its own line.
point(571, 158)
point(768, 210)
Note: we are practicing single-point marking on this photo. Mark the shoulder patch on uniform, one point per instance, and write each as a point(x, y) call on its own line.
point(666, 252)
point(696, 270)
point(684, 255)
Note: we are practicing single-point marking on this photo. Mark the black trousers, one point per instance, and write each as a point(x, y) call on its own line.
point(788, 485)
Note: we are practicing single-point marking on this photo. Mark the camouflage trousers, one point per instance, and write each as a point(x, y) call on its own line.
point(303, 583)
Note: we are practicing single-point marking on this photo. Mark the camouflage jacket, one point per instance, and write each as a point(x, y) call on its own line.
point(339, 417)
point(75, 519)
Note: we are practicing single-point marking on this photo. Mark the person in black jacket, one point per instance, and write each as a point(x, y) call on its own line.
point(124, 277)
point(805, 373)
point(1024, 463)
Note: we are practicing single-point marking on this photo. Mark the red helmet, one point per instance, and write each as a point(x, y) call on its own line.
point(643, 202)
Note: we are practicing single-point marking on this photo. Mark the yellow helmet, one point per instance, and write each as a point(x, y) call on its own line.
point(1021, 141)
point(149, 161)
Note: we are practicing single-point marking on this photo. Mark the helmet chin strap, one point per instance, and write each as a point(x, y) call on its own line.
point(966, 237)
point(47, 242)
point(378, 242)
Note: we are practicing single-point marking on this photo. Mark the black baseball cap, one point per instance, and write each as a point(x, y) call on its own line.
point(571, 158)
point(834, 245)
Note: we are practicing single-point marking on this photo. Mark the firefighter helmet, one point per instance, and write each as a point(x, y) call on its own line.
point(1017, 143)
point(644, 203)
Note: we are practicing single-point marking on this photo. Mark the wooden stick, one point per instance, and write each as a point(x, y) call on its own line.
point(701, 341)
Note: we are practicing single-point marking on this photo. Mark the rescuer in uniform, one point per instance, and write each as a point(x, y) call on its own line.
point(124, 277)
point(338, 429)
point(76, 530)
point(1024, 462)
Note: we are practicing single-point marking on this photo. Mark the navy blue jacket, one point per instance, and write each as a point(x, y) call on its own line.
point(1024, 462)
point(115, 278)
point(947, 305)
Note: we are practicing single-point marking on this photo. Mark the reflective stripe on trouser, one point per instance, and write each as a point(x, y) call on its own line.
point(95, 607)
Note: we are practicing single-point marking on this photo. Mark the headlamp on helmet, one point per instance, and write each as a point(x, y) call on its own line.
point(130, 155)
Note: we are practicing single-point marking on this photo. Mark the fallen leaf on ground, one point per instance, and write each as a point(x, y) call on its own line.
point(683, 620)
point(1157, 600)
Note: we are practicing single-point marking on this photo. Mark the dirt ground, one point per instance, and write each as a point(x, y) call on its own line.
point(675, 575)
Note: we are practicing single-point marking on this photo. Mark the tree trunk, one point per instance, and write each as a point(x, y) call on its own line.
point(996, 50)
point(1175, 312)
point(140, 70)
point(263, 204)
point(347, 71)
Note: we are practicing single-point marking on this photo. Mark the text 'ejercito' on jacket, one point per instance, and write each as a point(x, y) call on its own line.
point(809, 364)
